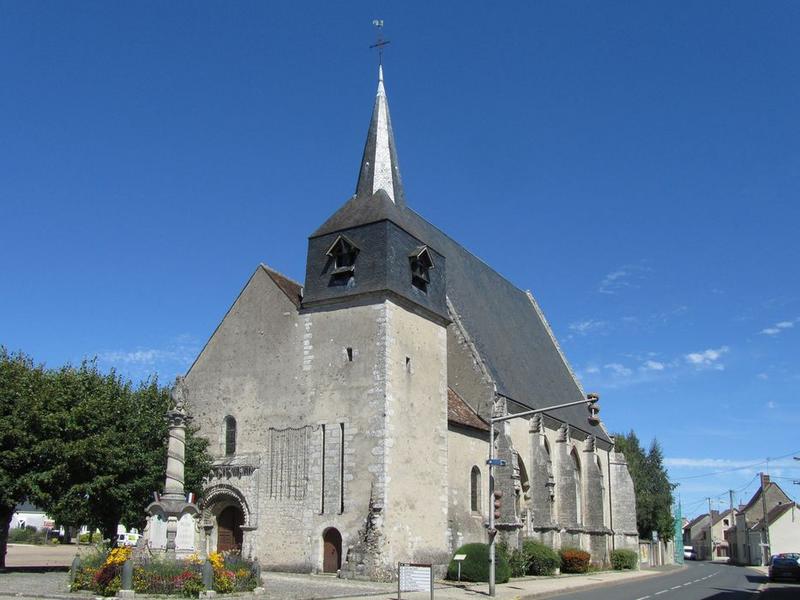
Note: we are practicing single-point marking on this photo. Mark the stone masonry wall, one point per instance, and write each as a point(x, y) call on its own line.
point(284, 376)
point(415, 455)
point(623, 502)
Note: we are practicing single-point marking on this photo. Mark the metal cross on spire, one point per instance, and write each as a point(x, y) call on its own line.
point(380, 43)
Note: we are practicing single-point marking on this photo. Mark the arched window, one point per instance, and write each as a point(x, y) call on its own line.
point(475, 489)
point(578, 488)
point(230, 436)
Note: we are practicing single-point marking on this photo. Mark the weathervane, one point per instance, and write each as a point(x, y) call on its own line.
point(381, 43)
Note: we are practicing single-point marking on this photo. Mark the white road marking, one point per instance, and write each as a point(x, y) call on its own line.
point(643, 597)
point(697, 581)
point(687, 583)
point(675, 587)
point(661, 592)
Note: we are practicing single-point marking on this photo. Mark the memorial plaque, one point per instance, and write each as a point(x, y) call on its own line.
point(157, 535)
point(184, 540)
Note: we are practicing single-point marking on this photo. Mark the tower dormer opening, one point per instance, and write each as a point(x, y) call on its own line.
point(342, 253)
point(421, 264)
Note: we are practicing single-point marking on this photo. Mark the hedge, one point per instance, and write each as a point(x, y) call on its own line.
point(475, 567)
point(574, 560)
point(541, 559)
point(624, 559)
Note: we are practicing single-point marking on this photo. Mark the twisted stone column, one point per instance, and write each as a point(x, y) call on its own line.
point(176, 453)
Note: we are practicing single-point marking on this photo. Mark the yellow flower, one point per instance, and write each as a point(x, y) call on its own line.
point(118, 556)
point(217, 560)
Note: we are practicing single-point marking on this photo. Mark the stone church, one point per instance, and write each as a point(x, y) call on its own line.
point(347, 415)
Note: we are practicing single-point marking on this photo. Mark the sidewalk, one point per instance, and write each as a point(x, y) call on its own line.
point(288, 586)
point(526, 587)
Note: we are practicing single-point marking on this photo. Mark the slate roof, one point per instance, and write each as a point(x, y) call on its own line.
point(28, 507)
point(510, 334)
point(292, 289)
point(379, 168)
point(695, 521)
point(719, 516)
point(505, 324)
point(757, 496)
point(461, 413)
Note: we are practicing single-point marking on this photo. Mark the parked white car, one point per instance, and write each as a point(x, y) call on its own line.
point(127, 539)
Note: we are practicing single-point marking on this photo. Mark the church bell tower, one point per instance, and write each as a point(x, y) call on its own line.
point(376, 289)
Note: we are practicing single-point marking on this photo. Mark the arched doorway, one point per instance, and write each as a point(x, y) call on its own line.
point(229, 529)
point(331, 550)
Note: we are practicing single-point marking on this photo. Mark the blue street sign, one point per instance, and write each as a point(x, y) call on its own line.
point(496, 462)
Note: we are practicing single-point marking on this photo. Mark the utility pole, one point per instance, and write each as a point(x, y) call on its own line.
point(710, 525)
point(765, 525)
point(732, 518)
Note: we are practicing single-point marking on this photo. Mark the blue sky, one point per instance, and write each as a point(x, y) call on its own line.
point(635, 165)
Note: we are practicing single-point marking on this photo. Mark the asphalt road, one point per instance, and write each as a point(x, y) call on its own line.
point(700, 580)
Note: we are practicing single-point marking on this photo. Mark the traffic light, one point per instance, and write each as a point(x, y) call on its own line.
point(594, 409)
point(498, 495)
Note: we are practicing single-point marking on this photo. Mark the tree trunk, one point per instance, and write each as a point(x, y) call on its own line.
point(6, 512)
point(109, 531)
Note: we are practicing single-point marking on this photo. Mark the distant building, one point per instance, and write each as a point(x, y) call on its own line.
point(29, 515)
point(348, 416)
point(747, 539)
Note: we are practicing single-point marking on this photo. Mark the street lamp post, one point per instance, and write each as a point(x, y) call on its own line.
point(594, 411)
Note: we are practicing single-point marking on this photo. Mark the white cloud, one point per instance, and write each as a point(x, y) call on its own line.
point(763, 376)
point(587, 326)
point(653, 365)
point(707, 359)
point(710, 463)
point(618, 369)
point(592, 369)
point(173, 357)
point(724, 463)
point(141, 357)
point(626, 276)
point(779, 327)
point(771, 404)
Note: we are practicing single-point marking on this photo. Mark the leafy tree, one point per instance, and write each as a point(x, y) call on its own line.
point(651, 485)
point(85, 446)
point(24, 430)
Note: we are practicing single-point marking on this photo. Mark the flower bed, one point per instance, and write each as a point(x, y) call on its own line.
point(101, 573)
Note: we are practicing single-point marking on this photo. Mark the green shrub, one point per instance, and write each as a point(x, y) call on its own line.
point(518, 563)
point(541, 559)
point(624, 559)
point(574, 560)
point(26, 535)
point(94, 538)
point(476, 566)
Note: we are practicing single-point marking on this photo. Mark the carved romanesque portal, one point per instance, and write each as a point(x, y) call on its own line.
point(229, 529)
point(227, 520)
point(331, 550)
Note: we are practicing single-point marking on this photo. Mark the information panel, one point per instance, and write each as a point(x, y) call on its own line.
point(413, 577)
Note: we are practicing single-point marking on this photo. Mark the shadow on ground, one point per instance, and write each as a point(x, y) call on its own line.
point(51, 569)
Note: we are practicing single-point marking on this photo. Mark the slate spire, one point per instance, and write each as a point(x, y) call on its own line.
point(379, 168)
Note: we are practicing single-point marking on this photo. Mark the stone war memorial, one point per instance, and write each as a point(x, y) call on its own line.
point(171, 557)
point(172, 525)
point(348, 414)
